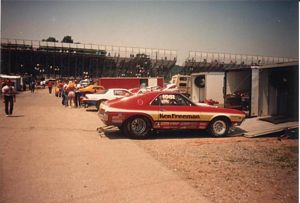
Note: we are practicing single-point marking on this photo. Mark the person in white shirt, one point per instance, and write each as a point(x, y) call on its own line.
point(9, 97)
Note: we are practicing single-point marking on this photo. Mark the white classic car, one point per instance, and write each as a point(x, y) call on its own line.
point(99, 97)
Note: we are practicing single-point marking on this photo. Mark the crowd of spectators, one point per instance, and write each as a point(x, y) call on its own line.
point(69, 92)
point(192, 66)
point(139, 66)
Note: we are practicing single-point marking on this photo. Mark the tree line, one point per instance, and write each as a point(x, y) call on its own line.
point(66, 39)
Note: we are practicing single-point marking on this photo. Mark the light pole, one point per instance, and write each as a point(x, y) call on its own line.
point(85, 74)
point(21, 69)
point(50, 71)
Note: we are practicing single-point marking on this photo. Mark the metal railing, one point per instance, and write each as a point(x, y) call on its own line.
point(228, 58)
point(113, 51)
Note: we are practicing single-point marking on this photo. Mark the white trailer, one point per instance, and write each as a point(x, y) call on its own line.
point(206, 86)
point(267, 90)
point(16, 79)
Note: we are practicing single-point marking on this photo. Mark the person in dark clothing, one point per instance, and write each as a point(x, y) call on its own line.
point(9, 97)
point(32, 86)
point(77, 95)
point(24, 86)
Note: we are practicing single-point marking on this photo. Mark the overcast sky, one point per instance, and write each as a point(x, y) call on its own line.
point(243, 27)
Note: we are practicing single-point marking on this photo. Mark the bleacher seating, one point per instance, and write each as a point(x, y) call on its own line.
point(219, 62)
point(97, 60)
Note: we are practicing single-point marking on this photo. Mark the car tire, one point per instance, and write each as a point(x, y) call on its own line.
point(98, 103)
point(219, 127)
point(137, 127)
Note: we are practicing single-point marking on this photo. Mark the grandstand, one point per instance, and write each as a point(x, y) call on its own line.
point(219, 62)
point(55, 59)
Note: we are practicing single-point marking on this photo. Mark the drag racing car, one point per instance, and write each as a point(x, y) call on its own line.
point(137, 116)
point(97, 98)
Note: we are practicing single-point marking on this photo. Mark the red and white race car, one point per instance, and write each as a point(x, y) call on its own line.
point(137, 115)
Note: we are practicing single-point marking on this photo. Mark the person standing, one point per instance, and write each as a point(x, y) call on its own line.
point(71, 93)
point(65, 95)
point(9, 97)
point(77, 94)
point(60, 88)
point(32, 86)
point(50, 85)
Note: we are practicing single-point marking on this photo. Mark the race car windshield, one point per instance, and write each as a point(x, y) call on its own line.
point(172, 100)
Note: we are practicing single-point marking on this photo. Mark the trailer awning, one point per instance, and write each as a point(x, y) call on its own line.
point(277, 65)
point(237, 67)
point(10, 76)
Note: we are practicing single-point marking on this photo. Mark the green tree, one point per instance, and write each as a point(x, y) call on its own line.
point(67, 39)
point(50, 39)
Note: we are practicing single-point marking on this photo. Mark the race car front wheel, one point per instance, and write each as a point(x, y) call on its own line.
point(219, 127)
point(98, 104)
point(137, 127)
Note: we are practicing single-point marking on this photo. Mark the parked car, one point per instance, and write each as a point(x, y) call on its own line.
point(138, 115)
point(171, 87)
point(99, 97)
point(91, 89)
point(145, 89)
point(85, 82)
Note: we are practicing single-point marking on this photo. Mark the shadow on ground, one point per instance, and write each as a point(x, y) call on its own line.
point(15, 116)
point(167, 134)
point(91, 110)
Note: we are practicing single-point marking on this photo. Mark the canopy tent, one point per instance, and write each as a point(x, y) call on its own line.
point(12, 77)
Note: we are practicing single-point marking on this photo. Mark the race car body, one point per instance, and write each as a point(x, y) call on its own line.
point(104, 95)
point(137, 115)
point(91, 89)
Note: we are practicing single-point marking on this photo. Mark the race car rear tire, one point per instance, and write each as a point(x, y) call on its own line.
point(137, 127)
point(219, 127)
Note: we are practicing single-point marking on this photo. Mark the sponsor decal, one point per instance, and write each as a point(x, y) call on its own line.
point(168, 96)
point(180, 125)
point(178, 116)
point(118, 118)
point(140, 102)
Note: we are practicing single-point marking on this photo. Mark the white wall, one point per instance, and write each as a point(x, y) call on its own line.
point(152, 82)
point(213, 89)
point(263, 93)
point(197, 94)
point(255, 92)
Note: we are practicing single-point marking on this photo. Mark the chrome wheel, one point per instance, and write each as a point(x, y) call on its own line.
point(138, 126)
point(219, 127)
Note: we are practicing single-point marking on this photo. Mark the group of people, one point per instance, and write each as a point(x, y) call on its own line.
point(69, 91)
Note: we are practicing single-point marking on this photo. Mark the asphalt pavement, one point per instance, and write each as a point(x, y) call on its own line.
point(49, 153)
